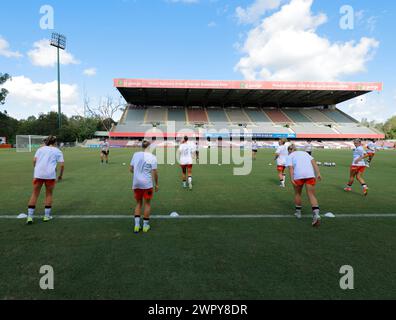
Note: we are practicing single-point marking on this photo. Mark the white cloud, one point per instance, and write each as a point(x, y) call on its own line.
point(212, 24)
point(29, 98)
point(5, 49)
point(90, 72)
point(285, 46)
point(255, 11)
point(44, 55)
point(372, 107)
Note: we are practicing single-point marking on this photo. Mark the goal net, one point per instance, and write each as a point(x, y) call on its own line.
point(29, 143)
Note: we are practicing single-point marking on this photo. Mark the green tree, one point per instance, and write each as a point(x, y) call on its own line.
point(3, 92)
point(8, 127)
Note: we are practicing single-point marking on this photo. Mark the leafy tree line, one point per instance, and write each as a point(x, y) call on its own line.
point(388, 127)
point(75, 128)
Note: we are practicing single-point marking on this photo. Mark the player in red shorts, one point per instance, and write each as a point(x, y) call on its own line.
point(304, 171)
point(358, 167)
point(144, 168)
point(186, 151)
point(45, 163)
point(281, 154)
point(371, 151)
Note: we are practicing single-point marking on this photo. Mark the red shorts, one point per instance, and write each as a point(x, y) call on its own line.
point(371, 154)
point(141, 194)
point(281, 168)
point(48, 182)
point(186, 166)
point(358, 169)
point(310, 181)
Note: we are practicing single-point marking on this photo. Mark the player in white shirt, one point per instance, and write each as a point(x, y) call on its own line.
point(371, 151)
point(304, 171)
point(358, 167)
point(254, 149)
point(308, 147)
point(45, 163)
point(104, 151)
point(186, 151)
point(144, 169)
point(281, 155)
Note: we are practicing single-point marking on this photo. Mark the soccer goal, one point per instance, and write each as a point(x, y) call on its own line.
point(29, 143)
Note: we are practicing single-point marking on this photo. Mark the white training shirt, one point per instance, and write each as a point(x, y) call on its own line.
point(186, 151)
point(282, 152)
point(105, 146)
point(357, 153)
point(255, 146)
point(372, 147)
point(302, 165)
point(47, 159)
point(143, 164)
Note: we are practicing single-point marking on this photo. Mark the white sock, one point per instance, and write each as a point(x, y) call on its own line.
point(31, 212)
point(47, 211)
point(146, 223)
point(137, 221)
point(189, 180)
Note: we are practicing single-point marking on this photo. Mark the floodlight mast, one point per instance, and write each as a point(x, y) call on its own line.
point(59, 41)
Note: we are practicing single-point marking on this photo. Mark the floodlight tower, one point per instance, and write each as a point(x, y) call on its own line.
point(59, 41)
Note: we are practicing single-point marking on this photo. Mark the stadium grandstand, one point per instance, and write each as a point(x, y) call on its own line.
point(259, 109)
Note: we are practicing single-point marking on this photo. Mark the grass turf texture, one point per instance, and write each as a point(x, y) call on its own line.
point(197, 259)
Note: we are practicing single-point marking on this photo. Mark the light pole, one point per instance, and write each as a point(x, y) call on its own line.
point(59, 41)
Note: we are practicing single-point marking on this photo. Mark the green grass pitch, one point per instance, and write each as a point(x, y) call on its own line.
point(212, 258)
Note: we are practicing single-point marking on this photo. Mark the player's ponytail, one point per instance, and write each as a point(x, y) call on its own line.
point(50, 141)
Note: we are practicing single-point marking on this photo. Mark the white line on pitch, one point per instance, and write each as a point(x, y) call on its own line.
point(211, 216)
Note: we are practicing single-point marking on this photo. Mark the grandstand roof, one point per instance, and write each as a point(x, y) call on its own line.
point(240, 93)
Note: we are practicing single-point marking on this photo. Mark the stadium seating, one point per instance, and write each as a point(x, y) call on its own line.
point(296, 116)
point(305, 122)
point(338, 116)
point(217, 115)
point(135, 115)
point(156, 115)
point(237, 116)
point(316, 116)
point(277, 116)
point(197, 115)
point(177, 114)
point(257, 115)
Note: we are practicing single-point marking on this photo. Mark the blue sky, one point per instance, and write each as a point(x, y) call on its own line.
point(202, 39)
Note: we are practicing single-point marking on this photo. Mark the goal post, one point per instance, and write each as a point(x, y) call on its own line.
point(28, 143)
